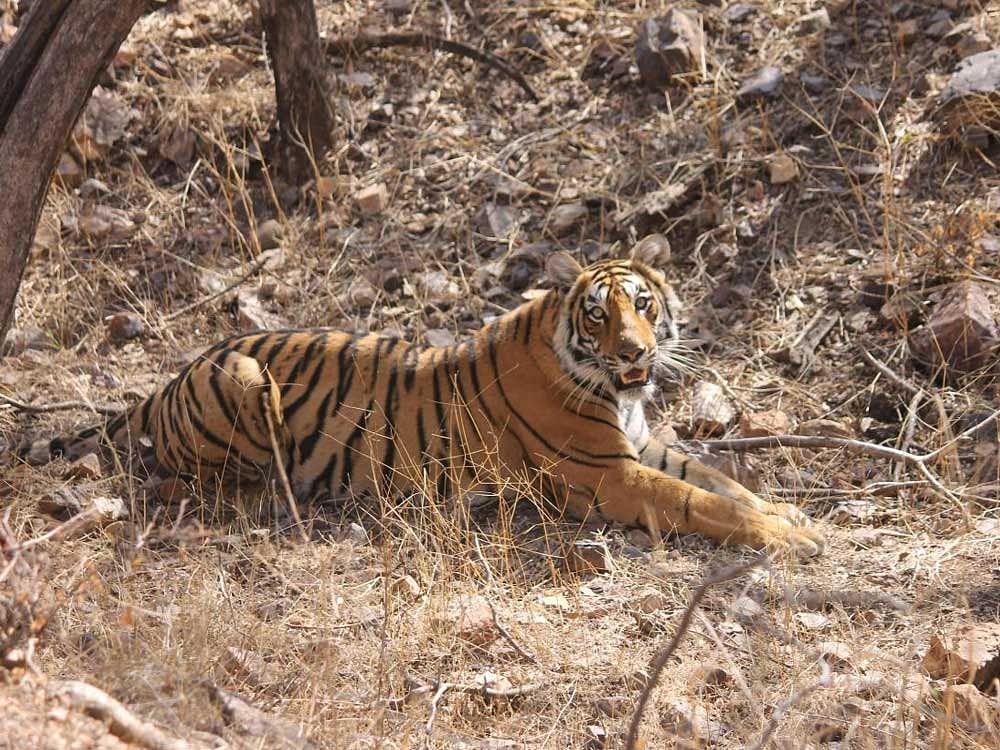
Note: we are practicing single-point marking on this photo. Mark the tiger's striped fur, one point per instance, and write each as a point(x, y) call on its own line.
point(552, 389)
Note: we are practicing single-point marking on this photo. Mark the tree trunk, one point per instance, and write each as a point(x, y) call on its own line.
point(46, 75)
point(305, 117)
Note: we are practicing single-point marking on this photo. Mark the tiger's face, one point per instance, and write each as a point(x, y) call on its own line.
point(617, 323)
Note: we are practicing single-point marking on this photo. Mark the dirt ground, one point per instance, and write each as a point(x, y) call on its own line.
point(378, 632)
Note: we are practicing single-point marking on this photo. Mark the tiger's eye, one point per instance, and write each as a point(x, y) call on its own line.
point(642, 304)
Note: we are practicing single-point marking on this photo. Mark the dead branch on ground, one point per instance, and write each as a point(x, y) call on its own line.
point(108, 411)
point(358, 44)
point(122, 722)
point(660, 660)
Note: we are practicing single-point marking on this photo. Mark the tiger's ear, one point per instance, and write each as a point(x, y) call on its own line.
point(653, 250)
point(563, 269)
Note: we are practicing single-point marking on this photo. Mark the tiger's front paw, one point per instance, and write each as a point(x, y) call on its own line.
point(783, 526)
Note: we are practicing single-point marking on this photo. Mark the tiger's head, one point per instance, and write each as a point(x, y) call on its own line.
point(617, 320)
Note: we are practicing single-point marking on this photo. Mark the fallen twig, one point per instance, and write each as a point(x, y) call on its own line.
point(80, 523)
point(109, 411)
point(721, 576)
point(825, 679)
point(509, 638)
point(122, 722)
point(257, 266)
point(362, 42)
point(859, 447)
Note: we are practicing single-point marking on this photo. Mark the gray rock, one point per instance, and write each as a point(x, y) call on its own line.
point(670, 45)
point(764, 83)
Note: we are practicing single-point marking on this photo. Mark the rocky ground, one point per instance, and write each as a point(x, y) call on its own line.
point(828, 190)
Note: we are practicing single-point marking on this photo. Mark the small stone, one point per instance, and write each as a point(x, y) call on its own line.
point(125, 326)
point(764, 423)
point(496, 220)
point(907, 32)
point(970, 653)
point(653, 602)
point(406, 586)
point(588, 557)
point(824, 428)
point(690, 720)
point(782, 169)
point(712, 675)
point(565, 217)
point(614, 705)
point(251, 667)
point(21, 339)
point(125, 56)
point(85, 467)
point(93, 188)
point(738, 12)
point(252, 315)
point(969, 705)
point(853, 512)
point(177, 144)
point(972, 44)
point(812, 620)
point(865, 537)
point(373, 199)
point(937, 29)
point(765, 83)
point(439, 337)
point(470, 617)
point(711, 411)
point(437, 288)
point(670, 45)
point(961, 333)
point(814, 83)
point(597, 737)
point(818, 20)
point(62, 502)
point(105, 223)
point(838, 655)
point(360, 295)
point(639, 538)
point(269, 234)
point(357, 535)
point(746, 608)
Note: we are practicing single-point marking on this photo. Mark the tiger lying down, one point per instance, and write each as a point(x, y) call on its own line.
point(552, 389)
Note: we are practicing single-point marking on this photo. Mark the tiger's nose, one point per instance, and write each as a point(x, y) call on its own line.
point(631, 353)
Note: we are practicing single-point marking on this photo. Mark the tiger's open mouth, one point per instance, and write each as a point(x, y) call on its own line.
point(634, 378)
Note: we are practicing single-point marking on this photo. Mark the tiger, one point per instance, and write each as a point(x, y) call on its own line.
point(553, 389)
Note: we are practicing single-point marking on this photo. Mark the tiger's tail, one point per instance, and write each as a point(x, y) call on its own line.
point(121, 431)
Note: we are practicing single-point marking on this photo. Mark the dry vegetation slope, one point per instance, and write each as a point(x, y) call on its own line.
point(350, 638)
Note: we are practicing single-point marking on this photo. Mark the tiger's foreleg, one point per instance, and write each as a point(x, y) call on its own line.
point(635, 494)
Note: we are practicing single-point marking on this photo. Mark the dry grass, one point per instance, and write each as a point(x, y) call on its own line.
point(326, 635)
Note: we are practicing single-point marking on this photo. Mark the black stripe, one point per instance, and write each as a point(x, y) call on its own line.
point(542, 440)
point(360, 427)
point(257, 345)
point(389, 408)
point(663, 461)
point(684, 465)
point(528, 320)
point(308, 444)
point(323, 478)
point(411, 358)
point(421, 435)
point(383, 348)
point(277, 348)
point(687, 505)
point(304, 359)
point(292, 408)
point(144, 413)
